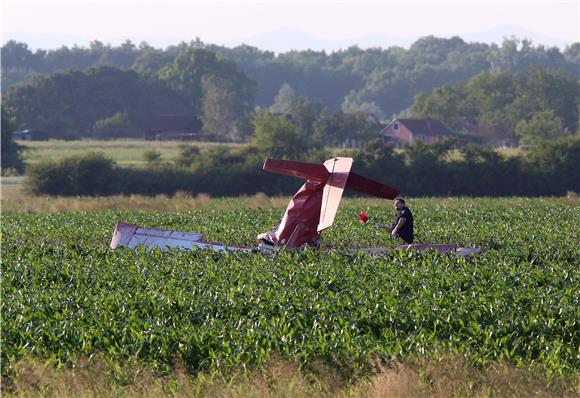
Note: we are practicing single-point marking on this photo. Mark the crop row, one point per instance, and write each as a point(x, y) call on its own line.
point(65, 294)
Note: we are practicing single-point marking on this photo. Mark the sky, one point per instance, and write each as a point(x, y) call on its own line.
point(279, 25)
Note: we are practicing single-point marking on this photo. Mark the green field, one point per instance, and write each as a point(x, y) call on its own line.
point(66, 295)
point(124, 152)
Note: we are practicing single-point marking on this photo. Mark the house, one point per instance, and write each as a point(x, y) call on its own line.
point(172, 127)
point(489, 135)
point(407, 131)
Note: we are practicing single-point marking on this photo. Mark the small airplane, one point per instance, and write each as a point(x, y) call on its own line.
point(310, 211)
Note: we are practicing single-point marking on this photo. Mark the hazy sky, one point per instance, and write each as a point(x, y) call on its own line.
point(49, 24)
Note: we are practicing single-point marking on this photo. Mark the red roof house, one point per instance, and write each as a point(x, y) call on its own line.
point(407, 131)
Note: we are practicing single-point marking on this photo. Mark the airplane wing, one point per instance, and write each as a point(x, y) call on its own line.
point(339, 169)
point(366, 185)
point(131, 236)
point(307, 171)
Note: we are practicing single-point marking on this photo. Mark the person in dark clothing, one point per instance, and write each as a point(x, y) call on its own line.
point(403, 223)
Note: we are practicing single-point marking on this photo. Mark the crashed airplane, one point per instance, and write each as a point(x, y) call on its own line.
point(310, 211)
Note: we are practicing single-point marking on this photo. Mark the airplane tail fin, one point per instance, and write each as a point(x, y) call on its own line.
point(337, 175)
point(339, 169)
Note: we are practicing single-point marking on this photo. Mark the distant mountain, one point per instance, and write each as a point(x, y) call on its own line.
point(499, 33)
point(287, 39)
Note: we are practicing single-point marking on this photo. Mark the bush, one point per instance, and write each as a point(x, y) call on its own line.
point(91, 174)
point(152, 157)
point(188, 155)
point(554, 165)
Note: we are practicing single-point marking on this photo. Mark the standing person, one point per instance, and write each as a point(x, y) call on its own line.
point(403, 222)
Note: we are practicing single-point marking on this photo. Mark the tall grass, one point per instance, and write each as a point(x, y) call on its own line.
point(447, 376)
point(15, 201)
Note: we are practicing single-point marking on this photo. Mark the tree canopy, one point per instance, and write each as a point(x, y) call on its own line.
point(11, 155)
point(503, 103)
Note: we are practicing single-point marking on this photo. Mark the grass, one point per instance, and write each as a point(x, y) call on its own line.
point(124, 152)
point(131, 152)
point(510, 152)
point(447, 376)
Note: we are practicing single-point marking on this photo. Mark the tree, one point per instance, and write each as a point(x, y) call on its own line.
point(214, 88)
point(329, 128)
point(69, 103)
point(489, 94)
point(150, 62)
point(276, 136)
point(548, 89)
point(16, 55)
point(446, 103)
point(301, 111)
point(185, 74)
point(365, 107)
point(11, 151)
point(225, 102)
point(541, 126)
point(283, 100)
point(121, 57)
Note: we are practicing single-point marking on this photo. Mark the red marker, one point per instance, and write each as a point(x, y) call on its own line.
point(363, 217)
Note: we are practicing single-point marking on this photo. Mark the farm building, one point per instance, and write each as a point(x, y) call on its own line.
point(406, 131)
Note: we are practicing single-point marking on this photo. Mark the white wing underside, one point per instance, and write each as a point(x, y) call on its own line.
point(131, 236)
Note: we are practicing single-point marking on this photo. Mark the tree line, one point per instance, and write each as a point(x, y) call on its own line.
point(101, 88)
point(536, 105)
